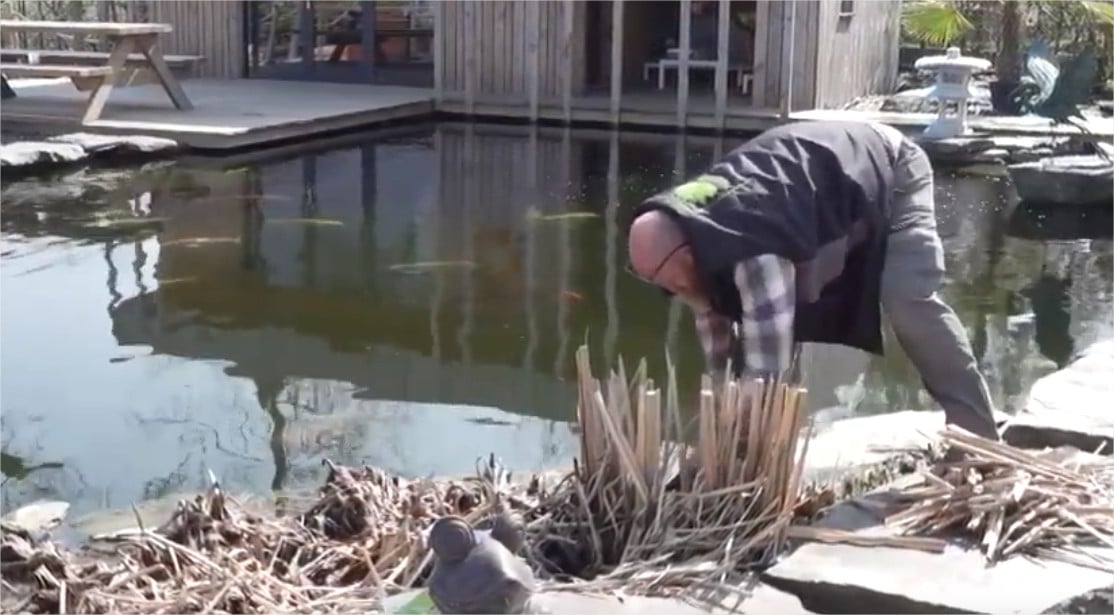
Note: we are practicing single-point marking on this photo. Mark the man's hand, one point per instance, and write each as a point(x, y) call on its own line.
point(717, 338)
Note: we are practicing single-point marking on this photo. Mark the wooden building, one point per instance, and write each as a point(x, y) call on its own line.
point(555, 59)
point(727, 63)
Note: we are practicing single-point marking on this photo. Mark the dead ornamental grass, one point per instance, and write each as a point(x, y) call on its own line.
point(649, 515)
point(1055, 504)
point(362, 538)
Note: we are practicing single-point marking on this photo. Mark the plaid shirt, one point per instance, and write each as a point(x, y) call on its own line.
point(767, 289)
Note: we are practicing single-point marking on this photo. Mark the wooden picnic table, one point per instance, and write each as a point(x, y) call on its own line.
point(123, 39)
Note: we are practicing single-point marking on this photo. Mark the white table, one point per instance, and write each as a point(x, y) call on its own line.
point(743, 75)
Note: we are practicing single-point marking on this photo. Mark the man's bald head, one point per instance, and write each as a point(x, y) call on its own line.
point(653, 236)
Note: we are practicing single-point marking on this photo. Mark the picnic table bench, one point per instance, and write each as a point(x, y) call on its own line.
point(179, 62)
point(134, 43)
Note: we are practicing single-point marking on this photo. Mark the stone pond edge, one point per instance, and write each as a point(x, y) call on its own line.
point(40, 156)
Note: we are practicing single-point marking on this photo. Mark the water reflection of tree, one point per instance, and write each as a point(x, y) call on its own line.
point(267, 392)
point(206, 447)
point(251, 232)
point(172, 483)
point(1049, 297)
point(29, 472)
point(292, 407)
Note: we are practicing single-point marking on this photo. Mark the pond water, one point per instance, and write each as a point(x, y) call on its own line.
point(414, 301)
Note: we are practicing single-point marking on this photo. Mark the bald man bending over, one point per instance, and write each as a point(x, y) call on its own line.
point(804, 234)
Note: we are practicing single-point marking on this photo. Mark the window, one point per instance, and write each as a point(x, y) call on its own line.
point(846, 8)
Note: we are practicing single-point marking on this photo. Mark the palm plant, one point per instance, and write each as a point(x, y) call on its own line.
point(935, 22)
point(944, 22)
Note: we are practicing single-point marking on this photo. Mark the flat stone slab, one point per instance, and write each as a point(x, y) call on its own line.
point(1073, 406)
point(24, 154)
point(762, 599)
point(103, 145)
point(994, 149)
point(70, 149)
point(845, 446)
point(838, 578)
point(40, 516)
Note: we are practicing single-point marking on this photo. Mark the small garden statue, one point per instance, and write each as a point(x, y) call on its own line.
point(952, 89)
point(478, 571)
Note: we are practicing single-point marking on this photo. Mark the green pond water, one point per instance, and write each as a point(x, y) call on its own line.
point(414, 301)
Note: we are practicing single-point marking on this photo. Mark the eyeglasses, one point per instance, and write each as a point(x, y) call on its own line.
point(660, 266)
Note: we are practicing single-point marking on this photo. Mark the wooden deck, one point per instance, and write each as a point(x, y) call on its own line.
point(233, 114)
point(228, 114)
point(642, 107)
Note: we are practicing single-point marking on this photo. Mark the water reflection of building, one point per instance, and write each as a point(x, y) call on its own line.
point(320, 337)
point(286, 268)
point(301, 251)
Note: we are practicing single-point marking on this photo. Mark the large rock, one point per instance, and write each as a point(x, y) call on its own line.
point(1066, 180)
point(38, 517)
point(116, 145)
point(839, 578)
point(1074, 406)
point(36, 154)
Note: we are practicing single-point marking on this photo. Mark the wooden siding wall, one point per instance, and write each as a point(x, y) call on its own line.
point(497, 40)
point(210, 28)
point(857, 54)
point(774, 20)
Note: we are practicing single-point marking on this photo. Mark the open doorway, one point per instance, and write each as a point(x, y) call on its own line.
point(651, 41)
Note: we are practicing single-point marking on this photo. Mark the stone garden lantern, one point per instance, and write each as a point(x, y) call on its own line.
point(952, 89)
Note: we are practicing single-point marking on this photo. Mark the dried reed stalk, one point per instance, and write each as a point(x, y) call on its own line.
point(665, 517)
point(361, 539)
point(1014, 501)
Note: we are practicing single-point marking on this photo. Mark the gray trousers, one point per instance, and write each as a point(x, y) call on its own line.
point(928, 330)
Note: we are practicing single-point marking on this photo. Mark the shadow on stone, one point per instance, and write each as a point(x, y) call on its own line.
point(1044, 222)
